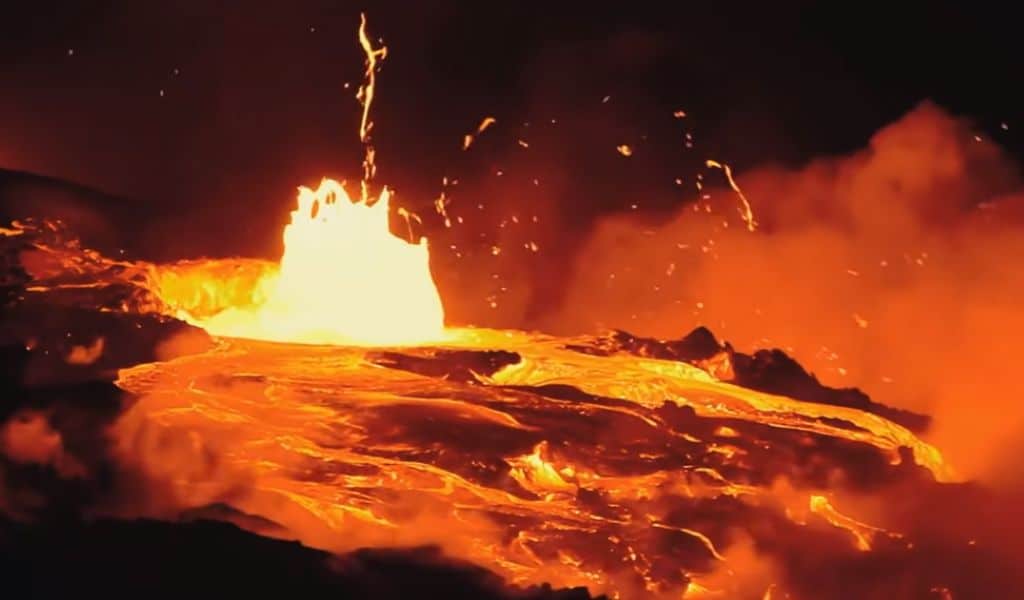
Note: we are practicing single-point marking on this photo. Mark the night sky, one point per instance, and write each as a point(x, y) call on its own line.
point(201, 110)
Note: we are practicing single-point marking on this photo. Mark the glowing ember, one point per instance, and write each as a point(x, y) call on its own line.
point(745, 210)
point(467, 140)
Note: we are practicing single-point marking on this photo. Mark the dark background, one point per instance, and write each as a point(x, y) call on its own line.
point(253, 100)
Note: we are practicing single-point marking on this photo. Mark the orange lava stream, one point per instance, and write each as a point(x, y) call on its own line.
point(341, 453)
point(861, 532)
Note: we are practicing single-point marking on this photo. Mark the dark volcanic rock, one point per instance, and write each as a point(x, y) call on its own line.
point(771, 371)
point(118, 559)
point(67, 345)
point(102, 221)
point(699, 344)
point(776, 372)
point(457, 365)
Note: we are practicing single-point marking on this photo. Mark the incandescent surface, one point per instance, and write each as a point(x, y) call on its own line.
point(567, 461)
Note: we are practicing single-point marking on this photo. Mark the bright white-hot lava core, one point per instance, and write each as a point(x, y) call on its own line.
point(343, 279)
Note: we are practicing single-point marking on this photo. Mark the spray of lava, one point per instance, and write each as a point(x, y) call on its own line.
point(343, 279)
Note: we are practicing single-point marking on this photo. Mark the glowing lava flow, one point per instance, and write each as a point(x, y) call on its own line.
point(537, 457)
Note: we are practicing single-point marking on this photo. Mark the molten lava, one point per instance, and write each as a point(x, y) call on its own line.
point(541, 458)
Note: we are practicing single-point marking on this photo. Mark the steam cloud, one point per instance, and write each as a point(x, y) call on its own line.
point(895, 269)
point(29, 439)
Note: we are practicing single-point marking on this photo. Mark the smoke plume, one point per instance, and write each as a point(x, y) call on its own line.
point(895, 269)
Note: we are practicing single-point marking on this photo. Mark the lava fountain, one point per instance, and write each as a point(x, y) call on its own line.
point(343, 279)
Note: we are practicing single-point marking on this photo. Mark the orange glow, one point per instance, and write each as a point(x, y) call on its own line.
point(876, 270)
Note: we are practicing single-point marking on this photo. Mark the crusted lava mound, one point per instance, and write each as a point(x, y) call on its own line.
point(771, 371)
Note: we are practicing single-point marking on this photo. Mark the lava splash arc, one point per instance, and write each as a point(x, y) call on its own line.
point(343, 279)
